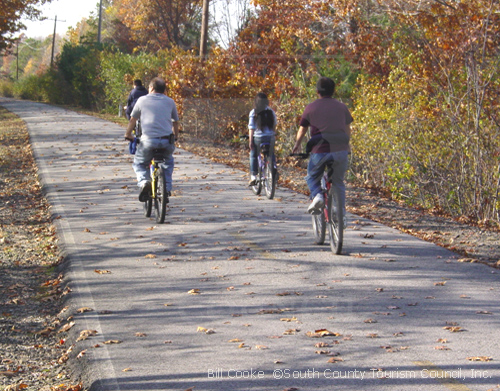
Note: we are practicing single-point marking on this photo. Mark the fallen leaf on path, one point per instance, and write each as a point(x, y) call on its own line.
point(322, 333)
point(112, 341)
point(453, 329)
point(261, 312)
point(294, 319)
point(204, 330)
point(194, 292)
point(102, 271)
point(81, 354)
point(85, 334)
point(66, 327)
point(84, 309)
point(480, 358)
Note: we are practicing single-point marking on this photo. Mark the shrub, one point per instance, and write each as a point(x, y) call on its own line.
point(6, 88)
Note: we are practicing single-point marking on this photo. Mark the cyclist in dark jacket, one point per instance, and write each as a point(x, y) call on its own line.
point(138, 91)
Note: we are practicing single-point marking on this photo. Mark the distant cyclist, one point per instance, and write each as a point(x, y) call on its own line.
point(330, 123)
point(160, 128)
point(261, 125)
point(138, 91)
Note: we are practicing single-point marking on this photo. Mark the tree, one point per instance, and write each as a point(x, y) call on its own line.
point(161, 24)
point(227, 19)
point(11, 13)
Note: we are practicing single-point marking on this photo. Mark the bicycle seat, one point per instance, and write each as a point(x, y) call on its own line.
point(264, 147)
point(158, 154)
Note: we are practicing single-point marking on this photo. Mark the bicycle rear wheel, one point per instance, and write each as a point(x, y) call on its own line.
point(257, 188)
point(335, 223)
point(161, 196)
point(319, 227)
point(269, 179)
point(148, 207)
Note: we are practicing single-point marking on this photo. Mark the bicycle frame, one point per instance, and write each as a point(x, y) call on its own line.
point(154, 169)
point(159, 194)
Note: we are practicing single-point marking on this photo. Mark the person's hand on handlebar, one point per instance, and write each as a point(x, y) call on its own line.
point(297, 149)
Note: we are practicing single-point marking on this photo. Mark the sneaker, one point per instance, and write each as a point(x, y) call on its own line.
point(253, 180)
point(317, 203)
point(145, 192)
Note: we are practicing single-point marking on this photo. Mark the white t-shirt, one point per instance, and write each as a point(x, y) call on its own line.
point(252, 124)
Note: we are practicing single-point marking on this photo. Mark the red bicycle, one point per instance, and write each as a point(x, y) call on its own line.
point(330, 215)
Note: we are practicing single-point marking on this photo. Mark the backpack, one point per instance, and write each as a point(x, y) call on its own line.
point(265, 119)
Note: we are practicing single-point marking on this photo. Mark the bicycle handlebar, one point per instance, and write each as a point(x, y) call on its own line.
point(300, 155)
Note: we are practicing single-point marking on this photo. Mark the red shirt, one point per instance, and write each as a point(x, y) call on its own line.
point(328, 119)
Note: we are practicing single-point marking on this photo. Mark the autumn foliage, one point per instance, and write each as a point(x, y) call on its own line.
point(421, 77)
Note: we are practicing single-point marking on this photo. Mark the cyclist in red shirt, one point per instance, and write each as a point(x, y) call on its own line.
point(330, 123)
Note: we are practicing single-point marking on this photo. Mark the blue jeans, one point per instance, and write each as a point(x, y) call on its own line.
point(143, 156)
point(317, 164)
point(254, 153)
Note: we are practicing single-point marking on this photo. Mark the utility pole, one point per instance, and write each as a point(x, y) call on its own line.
point(54, 40)
point(17, 60)
point(204, 30)
point(100, 23)
point(53, 43)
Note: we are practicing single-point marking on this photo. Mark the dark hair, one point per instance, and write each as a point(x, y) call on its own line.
point(264, 116)
point(325, 86)
point(137, 82)
point(158, 85)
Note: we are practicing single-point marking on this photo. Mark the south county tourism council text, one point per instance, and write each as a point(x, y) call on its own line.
point(458, 374)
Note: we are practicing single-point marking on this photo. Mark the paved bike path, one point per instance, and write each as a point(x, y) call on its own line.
point(228, 294)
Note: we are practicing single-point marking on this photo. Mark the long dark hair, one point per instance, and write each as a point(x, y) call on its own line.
point(264, 116)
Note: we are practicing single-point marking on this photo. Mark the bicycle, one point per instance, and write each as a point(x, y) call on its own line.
point(159, 194)
point(330, 215)
point(267, 175)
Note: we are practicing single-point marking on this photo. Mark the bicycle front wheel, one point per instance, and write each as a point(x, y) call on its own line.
point(335, 223)
point(269, 180)
point(161, 196)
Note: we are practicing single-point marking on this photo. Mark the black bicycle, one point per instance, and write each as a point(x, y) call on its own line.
point(159, 195)
point(267, 175)
point(330, 215)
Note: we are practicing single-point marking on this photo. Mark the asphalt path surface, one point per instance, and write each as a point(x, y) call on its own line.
point(232, 294)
